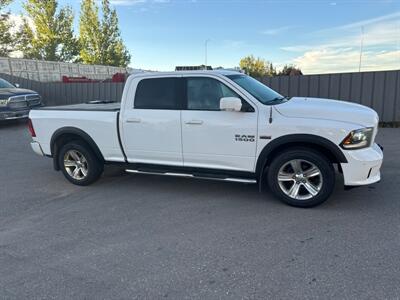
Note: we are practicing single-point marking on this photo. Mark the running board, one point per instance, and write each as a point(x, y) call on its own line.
point(230, 179)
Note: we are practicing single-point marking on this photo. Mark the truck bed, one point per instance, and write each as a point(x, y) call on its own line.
point(98, 120)
point(89, 106)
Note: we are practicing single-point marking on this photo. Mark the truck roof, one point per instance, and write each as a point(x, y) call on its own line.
point(193, 72)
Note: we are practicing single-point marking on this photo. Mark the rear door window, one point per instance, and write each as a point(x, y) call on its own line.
point(158, 93)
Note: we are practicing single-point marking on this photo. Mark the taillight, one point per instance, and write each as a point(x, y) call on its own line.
point(31, 129)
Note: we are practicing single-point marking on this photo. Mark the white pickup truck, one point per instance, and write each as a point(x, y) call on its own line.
point(218, 125)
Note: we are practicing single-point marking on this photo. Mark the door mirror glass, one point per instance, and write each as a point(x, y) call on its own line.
point(230, 104)
point(17, 85)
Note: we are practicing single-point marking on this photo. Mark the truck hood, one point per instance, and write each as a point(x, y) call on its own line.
point(9, 92)
point(327, 109)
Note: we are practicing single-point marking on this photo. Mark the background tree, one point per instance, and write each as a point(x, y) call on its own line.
point(115, 51)
point(100, 41)
point(257, 67)
point(7, 41)
point(89, 33)
point(52, 36)
point(290, 70)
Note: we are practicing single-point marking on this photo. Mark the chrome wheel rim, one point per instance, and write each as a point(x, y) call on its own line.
point(300, 179)
point(75, 164)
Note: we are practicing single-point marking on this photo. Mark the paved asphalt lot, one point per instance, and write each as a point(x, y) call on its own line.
point(142, 236)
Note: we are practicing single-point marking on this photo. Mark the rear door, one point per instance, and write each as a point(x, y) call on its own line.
point(152, 126)
point(213, 138)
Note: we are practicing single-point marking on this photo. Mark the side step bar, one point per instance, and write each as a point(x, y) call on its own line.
point(199, 176)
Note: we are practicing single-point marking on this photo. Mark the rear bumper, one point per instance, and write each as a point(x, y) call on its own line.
point(12, 115)
point(363, 166)
point(37, 148)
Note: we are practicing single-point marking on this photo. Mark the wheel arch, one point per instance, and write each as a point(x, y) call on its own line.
point(66, 134)
point(321, 144)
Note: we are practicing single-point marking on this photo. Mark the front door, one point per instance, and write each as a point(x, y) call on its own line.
point(213, 138)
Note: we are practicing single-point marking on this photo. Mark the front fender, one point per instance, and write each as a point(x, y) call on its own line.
point(311, 140)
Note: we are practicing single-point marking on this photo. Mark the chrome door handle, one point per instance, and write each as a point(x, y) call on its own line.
point(133, 120)
point(194, 122)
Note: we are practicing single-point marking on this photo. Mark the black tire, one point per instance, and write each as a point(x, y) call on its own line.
point(306, 158)
point(93, 165)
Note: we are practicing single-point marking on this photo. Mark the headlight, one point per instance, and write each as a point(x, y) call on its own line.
point(357, 139)
point(3, 102)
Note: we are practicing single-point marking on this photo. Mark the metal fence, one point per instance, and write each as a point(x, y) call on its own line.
point(379, 90)
point(58, 93)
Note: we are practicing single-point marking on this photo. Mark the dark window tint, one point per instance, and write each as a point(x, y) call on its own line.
point(158, 93)
point(205, 93)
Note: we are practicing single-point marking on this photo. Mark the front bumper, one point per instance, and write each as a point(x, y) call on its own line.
point(363, 166)
point(12, 115)
point(37, 148)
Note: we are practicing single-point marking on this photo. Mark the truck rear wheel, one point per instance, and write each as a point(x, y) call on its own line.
point(79, 164)
point(301, 177)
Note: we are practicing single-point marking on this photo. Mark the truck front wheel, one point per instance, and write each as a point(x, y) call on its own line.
point(79, 164)
point(301, 177)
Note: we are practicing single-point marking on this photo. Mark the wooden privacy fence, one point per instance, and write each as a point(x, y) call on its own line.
point(379, 90)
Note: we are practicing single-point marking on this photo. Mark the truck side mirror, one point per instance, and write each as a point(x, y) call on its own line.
point(230, 104)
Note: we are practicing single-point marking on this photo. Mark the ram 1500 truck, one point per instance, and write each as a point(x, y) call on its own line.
point(219, 125)
point(15, 102)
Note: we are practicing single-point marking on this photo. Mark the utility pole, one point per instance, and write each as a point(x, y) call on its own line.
point(205, 53)
point(361, 48)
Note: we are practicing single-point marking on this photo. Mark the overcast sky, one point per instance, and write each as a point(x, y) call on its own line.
point(318, 36)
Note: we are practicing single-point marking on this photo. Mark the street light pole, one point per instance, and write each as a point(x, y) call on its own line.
point(205, 52)
point(361, 48)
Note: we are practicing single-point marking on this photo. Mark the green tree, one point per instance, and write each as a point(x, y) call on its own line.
point(7, 41)
point(290, 70)
point(89, 33)
point(115, 52)
point(257, 67)
point(52, 36)
point(100, 41)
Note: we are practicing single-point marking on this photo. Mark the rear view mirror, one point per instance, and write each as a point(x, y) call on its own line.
point(230, 104)
point(16, 85)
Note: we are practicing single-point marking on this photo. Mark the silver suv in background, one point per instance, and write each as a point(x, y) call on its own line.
point(15, 103)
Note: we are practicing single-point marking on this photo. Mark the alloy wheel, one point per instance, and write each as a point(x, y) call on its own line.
point(75, 164)
point(300, 179)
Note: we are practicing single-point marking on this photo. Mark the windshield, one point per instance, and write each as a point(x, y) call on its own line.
point(5, 84)
point(258, 90)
